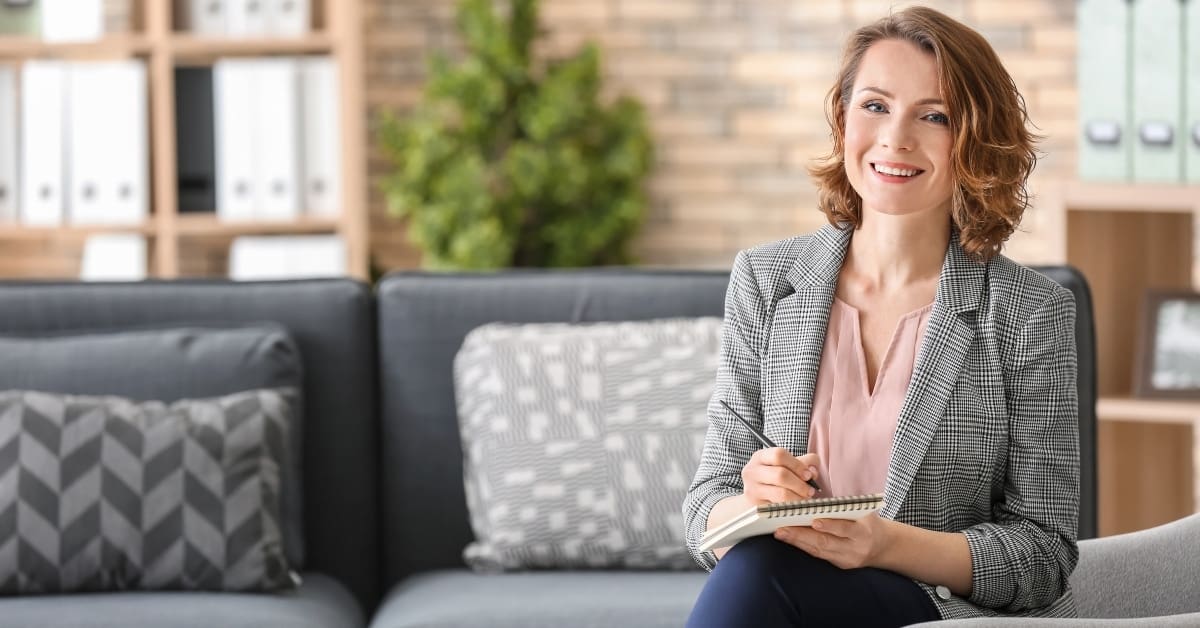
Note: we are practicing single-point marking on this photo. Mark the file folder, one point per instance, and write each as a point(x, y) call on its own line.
point(8, 144)
point(322, 139)
point(254, 258)
point(41, 143)
point(1105, 141)
point(203, 18)
point(233, 119)
point(107, 159)
point(246, 18)
point(287, 18)
point(114, 257)
point(1157, 91)
point(276, 142)
point(1191, 68)
point(72, 20)
point(195, 161)
point(21, 19)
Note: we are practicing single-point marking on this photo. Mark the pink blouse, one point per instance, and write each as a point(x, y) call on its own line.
point(852, 427)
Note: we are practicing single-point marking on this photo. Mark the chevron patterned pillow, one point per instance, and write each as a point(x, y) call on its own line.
point(104, 493)
point(580, 440)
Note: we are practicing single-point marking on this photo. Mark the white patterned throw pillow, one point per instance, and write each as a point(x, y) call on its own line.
point(580, 440)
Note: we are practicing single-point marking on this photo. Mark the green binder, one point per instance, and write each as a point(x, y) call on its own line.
point(21, 18)
point(1158, 91)
point(1191, 81)
point(1105, 135)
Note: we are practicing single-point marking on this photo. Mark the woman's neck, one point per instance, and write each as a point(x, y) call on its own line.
point(894, 252)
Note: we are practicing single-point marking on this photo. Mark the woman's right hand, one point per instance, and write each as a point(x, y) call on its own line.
point(775, 475)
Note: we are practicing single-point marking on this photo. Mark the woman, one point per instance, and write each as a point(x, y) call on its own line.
point(896, 351)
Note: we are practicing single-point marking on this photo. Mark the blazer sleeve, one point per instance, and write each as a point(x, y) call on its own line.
point(1024, 556)
point(727, 446)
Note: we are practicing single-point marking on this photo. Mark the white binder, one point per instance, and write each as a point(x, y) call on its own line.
point(1191, 100)
point(246, 18)
point(8, 144)
point(287, 18)
point(277, 132)
point(1157, 91)
point(317, 256)
point(72, 20)
point(286, 257)
point(203, 18)
point(106, 139)
point(256, 258)
point(114, 257)
point(233, 124)
point(41, 143)
point(322, 168)
point(1105, 136)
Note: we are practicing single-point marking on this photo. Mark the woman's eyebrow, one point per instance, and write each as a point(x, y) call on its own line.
point(887, 94)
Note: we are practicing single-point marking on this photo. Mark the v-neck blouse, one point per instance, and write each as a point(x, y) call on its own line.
point(852, 426)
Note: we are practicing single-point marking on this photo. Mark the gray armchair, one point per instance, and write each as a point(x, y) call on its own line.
point(1145, 578)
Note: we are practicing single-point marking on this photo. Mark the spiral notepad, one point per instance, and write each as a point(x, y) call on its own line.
point(766, 518)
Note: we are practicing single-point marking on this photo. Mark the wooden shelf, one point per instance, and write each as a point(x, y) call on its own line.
point(337, 32)
point(210, 225)
point(1128, 197)
point(116, 46)
point(10, 232)
point(1148, 410)
point(189, 48)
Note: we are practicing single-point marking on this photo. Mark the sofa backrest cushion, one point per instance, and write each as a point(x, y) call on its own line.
point(423, 319)
point(168, 364)
point(332, 323)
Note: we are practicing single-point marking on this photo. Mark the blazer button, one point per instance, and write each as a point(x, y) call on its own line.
point(942, 592)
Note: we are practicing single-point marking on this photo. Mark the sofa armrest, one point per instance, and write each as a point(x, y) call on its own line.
point(1140, 574)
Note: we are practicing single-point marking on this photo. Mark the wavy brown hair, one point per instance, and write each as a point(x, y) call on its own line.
point(993, 152)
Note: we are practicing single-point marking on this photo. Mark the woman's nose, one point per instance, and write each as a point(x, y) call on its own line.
point(897, 134)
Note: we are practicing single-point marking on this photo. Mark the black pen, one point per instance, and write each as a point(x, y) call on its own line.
point(762, 438)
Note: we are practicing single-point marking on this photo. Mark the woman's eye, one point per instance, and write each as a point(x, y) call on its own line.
point(938, 118)
point(874, 106)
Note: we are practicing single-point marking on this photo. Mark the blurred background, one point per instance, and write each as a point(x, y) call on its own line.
point(295, 138)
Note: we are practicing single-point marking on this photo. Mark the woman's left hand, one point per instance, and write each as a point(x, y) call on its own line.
point(845, 543)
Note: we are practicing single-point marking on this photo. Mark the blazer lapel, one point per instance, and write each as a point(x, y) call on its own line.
point(797, 338)
point(948, 337)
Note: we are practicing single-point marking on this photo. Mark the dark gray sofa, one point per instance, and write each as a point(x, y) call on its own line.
point(384, 504)
point(333, 324)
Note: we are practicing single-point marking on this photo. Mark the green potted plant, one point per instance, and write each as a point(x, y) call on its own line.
point(511, 162)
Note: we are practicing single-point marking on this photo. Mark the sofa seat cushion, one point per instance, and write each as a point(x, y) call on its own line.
point(533, 599)
point(320, 602)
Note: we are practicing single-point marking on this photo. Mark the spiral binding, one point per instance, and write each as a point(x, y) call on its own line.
point(821, 505)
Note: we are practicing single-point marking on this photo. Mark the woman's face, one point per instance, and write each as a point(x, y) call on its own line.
point(898, 137)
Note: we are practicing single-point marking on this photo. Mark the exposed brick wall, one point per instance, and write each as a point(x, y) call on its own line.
point(734, 89)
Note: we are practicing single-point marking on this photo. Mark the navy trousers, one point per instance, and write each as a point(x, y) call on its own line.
point(765, 582)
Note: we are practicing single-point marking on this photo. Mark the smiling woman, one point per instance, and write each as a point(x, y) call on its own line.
point(897, 351)
point(972, 113)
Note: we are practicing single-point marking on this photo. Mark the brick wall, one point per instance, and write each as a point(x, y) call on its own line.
point(734, 89)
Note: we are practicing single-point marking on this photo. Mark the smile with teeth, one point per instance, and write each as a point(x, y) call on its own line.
point(896, 172)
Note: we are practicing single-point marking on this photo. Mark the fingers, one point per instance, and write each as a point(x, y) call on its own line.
point(805, 467)
point(837, 527)
point(774, 475)
point(780, 457)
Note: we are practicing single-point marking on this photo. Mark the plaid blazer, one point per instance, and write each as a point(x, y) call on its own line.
point(987, 438)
